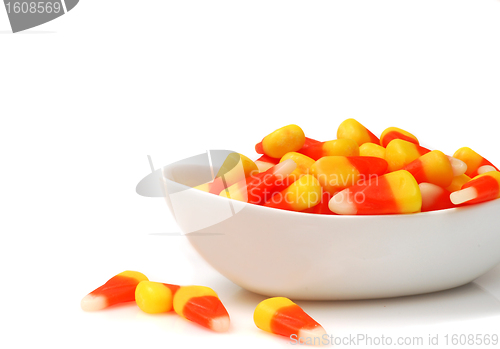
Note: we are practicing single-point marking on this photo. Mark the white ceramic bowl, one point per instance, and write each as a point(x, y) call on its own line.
point(321, 257)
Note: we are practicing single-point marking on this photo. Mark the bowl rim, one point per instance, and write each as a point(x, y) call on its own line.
point(334, 217)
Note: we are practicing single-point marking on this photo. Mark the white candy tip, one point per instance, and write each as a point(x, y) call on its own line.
point(485, 168)
point(463, 195)
point(458, 166)
point(220, 324)
point(311, 336)
point(429, 193)
point(340, 203)
point(93, 303)
point(263, 166)
point(285, 168)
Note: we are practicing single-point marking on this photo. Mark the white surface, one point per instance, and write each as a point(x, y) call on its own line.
point(86, 97)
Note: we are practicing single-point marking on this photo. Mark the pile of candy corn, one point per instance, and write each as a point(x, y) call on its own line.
point(201, 305)
point(357, 173)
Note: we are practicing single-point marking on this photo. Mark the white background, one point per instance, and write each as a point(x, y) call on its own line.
point(85, 98)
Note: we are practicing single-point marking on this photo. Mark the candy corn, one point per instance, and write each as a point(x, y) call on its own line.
point(281, 141)
point(119, 289)
point(391, 133)
point(283, 317)
point(400, 153)
point(322, 206)
point(300, 195)
point(434, 197)
point(335, 173)
point(395, 192)
point(344, 147)
point(474, 162)
point(235, 168)
point(371, 149)
point(481, 188)
point(435, 167)
point(155, 297)
point(309, 141)
point(303, 162)
point(259, 187)
point(201, 305)
point(354, 161)
point(265, 162)
point(457, 182)
point(352, 129)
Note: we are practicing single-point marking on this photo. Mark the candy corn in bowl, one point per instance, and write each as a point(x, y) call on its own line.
point(354, 217)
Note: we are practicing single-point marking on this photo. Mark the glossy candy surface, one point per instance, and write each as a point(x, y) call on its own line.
point(481, 188)
point(303, 162)
point(400, 153)
point(119, 289)
point(235, 168)
point(335, 173)
point(344, 147)
point(392, 133)
point(395, 192)
point(434, 197)
point(371, 149)
point(201, 305)
point(433, 167)
point(474, 161)
point(261, 186)
point(155, 297)
point(265, 162)
point(457, 182)
point(302, 194)
point(281, 141)
point(283, 317)
point(322, 206)
point(352, 129)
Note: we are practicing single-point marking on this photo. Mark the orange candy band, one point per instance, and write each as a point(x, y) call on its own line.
point(481, 188)
point(473, 160)
point(119, 289)
point(339, 172)
point(434, 197)
point(432, 167)
point(344, 147)
point(302, 194)
point(261, 186)
point(201, 305)
point(281, 316)
point(392, 193)
point(400, 153)
point(392, 133)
